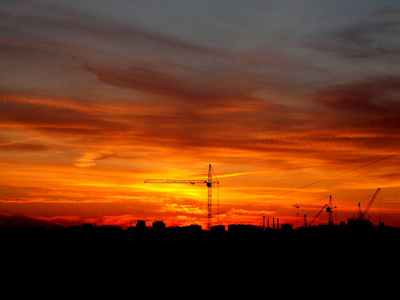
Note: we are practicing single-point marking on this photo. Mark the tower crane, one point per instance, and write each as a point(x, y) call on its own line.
point(327, 207)
point(209, 182)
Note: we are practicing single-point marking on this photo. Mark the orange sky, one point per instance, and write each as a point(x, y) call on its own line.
point(94, 100)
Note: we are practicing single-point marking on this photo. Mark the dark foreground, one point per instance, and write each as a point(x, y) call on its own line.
point(162, 240)
point(155, 255)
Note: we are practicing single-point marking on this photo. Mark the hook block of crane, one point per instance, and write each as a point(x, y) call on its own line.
point(209, 182)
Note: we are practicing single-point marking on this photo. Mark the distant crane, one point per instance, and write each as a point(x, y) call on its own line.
point(323, 207)
point(360, 216)
point(364, 214)
point(209, 182)
point(327, 207)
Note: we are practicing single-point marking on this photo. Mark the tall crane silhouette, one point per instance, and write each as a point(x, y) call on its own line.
point(209, 182)
point(327, 207)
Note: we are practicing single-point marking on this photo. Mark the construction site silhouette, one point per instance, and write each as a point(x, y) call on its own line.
point(158, 248)
point(352, 232)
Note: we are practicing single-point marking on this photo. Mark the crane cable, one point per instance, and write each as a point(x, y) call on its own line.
point(340, 174)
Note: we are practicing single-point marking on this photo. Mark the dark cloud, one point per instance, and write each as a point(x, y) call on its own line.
point(53, 116)
point(47, 22)
point(193, 90)
point(44, 50)
point(362, 114)
point(378, 96)
point(15, 220)
point(29, 147)
point(386, 11)
point(369, 40)
point(55, 42)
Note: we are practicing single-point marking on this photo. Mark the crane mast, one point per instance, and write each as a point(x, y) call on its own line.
point(209, 198)
point(209, 182)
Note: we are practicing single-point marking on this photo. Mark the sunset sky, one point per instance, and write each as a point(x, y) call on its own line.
point(290, 101)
